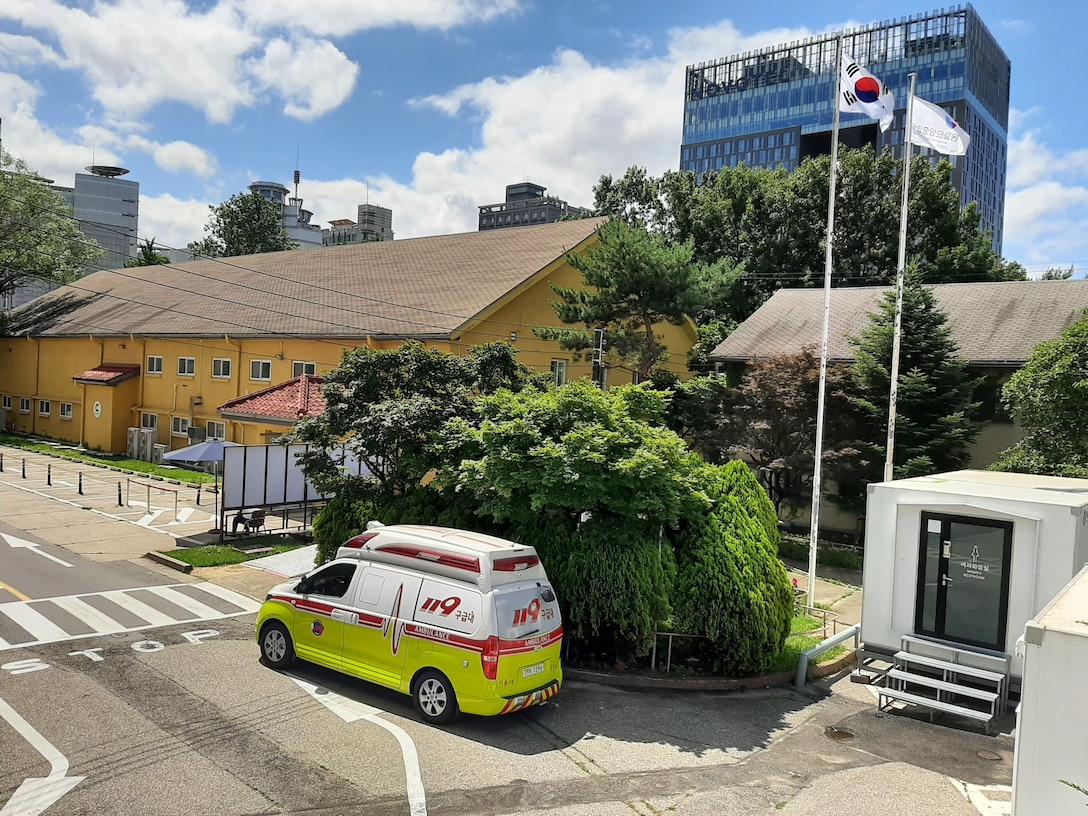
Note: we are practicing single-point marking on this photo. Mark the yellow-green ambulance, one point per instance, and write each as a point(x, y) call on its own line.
point(461, 621)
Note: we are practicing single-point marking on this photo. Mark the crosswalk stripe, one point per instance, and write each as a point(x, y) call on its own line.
point(97, 620)
point(230, 596)
point(40, 627)
point(188, 604)
point(138, 608)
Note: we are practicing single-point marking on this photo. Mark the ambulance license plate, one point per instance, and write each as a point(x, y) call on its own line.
point(529, 671)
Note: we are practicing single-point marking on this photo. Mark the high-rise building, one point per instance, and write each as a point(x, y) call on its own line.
point(773, 107)
point(107, 210)
point(375, 224)
point(295, 219)
point(526, 206)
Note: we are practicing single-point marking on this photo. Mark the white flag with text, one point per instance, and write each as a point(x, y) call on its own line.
point(861, 92)
point(931, 126)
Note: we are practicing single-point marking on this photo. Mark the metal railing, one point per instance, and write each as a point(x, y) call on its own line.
point(817, 650)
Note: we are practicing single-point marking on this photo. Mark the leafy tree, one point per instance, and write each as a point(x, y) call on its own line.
point(39, 236)
point(572, 450)
point(634, 281)
point(1056, 273)
point(386, 408)
point(771, 224)
point(148, 255)
point(731, 586)
point(245, 224)
point(933, 425)
point(1048, 398)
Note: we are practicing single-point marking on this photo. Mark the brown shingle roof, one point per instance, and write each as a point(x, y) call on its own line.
point(992, 323)
point(419, 287)
point(288, 401)
point(107, 374)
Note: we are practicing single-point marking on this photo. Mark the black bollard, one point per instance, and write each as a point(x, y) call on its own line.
point(24, 468)
point(1, 462)
point(49, 474)
point(198, 495)
point(119, 502)
point(81, 483)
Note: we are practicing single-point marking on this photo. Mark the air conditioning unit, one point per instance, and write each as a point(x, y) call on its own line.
point(148, 438)
point(197, 435)
point(157, 452)
point(133, 448)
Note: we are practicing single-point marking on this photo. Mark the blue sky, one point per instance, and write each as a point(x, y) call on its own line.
point(432, 107)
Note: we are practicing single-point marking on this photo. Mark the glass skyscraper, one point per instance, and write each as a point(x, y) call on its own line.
point(774, 106)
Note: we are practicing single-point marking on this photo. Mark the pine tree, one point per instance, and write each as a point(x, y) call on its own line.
point(933, 425)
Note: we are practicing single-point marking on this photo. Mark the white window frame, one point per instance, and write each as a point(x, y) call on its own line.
point(187, 363)
point(559, 371)
point(153, 425)
point(154, 364)
point(66, 410)
point(307, 368)
point(221, 365)
point(216, 430)
point(24, 405)
point(44, 408)
point(259, 367)
point(179, 426)
point(7, 403)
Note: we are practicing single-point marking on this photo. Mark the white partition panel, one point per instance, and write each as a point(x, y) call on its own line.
point(270, 476)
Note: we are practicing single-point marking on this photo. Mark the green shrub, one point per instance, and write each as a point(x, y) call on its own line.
point(612, 586)
point(738, 480)
point(795, 548)
point(732, 588)
point(338, 521)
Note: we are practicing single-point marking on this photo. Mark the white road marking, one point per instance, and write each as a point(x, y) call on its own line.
point(352, 710)
point(79, 608)
point(40, 627)
point(138, 608)
point(187, 603)
point(35, 795)
point(21, 543)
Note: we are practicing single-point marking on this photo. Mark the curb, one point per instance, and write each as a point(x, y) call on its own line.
point(167, 561)
point(659, 682)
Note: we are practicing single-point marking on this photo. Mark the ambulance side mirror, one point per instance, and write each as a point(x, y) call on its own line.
point(303, 586)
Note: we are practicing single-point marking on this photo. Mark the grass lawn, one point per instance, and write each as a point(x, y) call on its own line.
point(786, 660)
point(108, 459)
point(215, 555)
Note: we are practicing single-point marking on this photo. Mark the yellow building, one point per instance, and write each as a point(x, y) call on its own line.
point(163, 347)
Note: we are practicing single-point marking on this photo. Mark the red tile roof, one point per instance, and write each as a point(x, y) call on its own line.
point(107, 374)
point(284, 403)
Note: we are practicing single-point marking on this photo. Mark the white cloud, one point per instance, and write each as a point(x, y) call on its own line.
point(313, 76)
point(172, 222)
point(176, 156)
point(341, 17)
point(1046, 203)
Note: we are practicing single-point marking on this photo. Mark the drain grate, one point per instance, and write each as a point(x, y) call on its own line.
point(990, 756)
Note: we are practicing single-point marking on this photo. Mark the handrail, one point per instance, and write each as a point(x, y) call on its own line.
point(817, 650)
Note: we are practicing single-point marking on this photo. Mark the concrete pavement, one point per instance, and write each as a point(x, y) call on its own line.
point(921, 768)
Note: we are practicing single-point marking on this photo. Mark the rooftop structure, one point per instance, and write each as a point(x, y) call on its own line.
point(526, 206)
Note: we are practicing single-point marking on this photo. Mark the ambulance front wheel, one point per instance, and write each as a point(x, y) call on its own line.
point(276, 647)
point(434, 697)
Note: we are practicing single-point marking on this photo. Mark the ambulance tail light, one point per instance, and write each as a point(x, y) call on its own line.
point(490, 657)
point(515, 564)
point(358, 541)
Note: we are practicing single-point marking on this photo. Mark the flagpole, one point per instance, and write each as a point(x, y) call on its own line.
point(817, 474)
point(901, 272)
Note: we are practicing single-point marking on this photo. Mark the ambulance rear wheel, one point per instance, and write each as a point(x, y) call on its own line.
point(276, 647)
point(434, 697)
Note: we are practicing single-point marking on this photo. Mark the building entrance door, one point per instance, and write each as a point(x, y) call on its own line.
point(963, 580)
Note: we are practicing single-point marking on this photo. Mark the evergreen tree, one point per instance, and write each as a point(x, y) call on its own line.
point(933, 425)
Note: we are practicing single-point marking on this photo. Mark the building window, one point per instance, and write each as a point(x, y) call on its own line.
point(7, 403)
point(260, 370)
point(24, 405)
point(149, 421)
point(186, 366)
point(154, 364)
point(43, 407)
point(179, 426)
point(66, 410)
point(300, 368)
point(221, 368)
point(217, 430)
point(559, 371)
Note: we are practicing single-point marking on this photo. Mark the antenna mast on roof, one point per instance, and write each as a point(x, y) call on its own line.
point(297, 174)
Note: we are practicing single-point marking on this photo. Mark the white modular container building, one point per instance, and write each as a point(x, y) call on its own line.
point(968, 558)
point(1052, 720)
